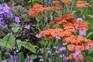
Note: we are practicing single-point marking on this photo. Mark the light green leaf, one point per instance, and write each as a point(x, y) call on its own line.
point(26, 45)
point(29, 46)
point(90, 16)
point(8, 41)
point(32, 57)
point(11, 41)
point(6, 37)
point(15, 27)
point(89, 35)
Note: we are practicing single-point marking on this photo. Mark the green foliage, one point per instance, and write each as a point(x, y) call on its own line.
point(3, 1)
point(8, 41)
point(15, 27)
point(26, 45)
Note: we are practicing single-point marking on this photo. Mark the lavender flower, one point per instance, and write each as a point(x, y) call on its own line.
point(62, 48)
point(2, 24)
point(88, 48)
point(66, 58)
point(4, 60)
point(62, 55)
point(58, 38)
point(6, 8)
point(77, 60)
point(77, 52)
point(82, 32)
point(27, 27)
point(56, 47)
point(30, 61)
point(49, 52)
point(17, 20)
point(79, 20)
point(41, 60)
point(37, 36)
point(5, 12)
point(56, 51)
point(8, 14)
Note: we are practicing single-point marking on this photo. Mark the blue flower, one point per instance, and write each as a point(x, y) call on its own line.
point(82, 32)
point(17, 20)
point(37, 35)
point(79, 20)
point(41, 60)
point(49, 52)
point(58, 38)
point(27, 27)
point(62, 48)
point(77, 52)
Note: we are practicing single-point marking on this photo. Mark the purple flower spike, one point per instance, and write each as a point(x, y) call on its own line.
point(37, 36)
point(1, 10)
point(88, 48)
point(2, 25)
point(62, 48)
point(66, 58)
point(58, 38)
point(62, 55)
point(27, 27)
point(41, 60)
point(30, 61)
point(56, 51)
point(79, 20)
point(77, 52)
point(4, 60)
point(56, 47)
point(17, 20)
point(82, 32)
point(49, 52)
point(8, 14)
point(6, 8)
point(77, 60)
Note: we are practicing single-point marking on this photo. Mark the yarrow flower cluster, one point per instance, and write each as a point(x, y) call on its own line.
point(70, 26)
point(66, 28)
point(37, 9)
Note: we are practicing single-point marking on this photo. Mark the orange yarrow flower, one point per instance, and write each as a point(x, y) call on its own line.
point(35, 10)
point(66, 1)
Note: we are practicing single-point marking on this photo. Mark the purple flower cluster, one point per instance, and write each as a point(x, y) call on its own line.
point(4, 13)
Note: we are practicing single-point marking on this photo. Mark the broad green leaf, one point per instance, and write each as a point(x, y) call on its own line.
point(29, 46)
point(4, 43)
point(26, 45)
point(11, 41)
point(19, 44)
point(15, 27)
point(8, 41)
point(32, 57)
point(6, 37)
point(21, 56)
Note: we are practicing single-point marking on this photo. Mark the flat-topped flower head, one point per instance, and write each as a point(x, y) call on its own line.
point(66, 1)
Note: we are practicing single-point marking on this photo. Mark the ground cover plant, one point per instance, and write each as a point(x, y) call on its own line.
point(46, 31)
